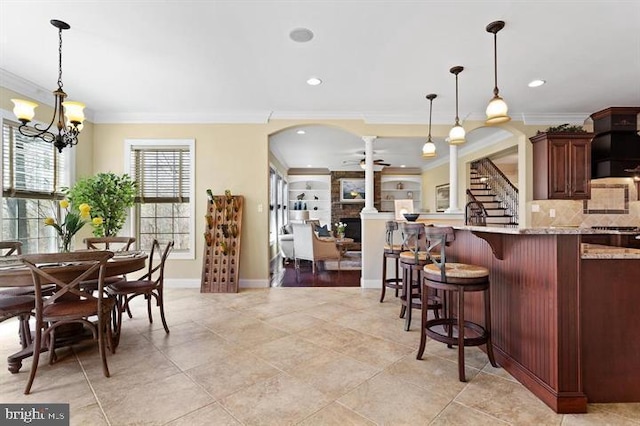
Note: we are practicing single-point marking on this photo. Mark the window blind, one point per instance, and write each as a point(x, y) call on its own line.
point(162, 174)
point(31, 167)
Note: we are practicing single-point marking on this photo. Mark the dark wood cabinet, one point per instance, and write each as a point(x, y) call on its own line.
point(562, 166)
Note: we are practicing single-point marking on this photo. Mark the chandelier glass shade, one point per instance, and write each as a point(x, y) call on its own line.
point(497, 110)
point(457, 133)
point(429, 148)
point(68, 116)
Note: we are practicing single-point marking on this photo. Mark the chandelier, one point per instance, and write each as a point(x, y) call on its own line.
point(67, 115)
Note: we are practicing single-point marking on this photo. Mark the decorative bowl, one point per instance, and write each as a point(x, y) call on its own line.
point(411, 217)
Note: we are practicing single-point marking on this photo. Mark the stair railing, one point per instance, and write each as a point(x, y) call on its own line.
point(500, 185)
point(474, 211)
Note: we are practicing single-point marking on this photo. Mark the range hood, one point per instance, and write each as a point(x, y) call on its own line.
point(616, 145)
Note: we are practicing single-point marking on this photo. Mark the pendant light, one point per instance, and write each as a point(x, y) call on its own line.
point(497, 108)
point(429, 148)
point(457, 133)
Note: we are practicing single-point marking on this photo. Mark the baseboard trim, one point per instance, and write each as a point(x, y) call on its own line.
point(370, 283)
point(195, 283)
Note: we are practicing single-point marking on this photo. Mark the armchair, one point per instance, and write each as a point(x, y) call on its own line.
point(308, 246)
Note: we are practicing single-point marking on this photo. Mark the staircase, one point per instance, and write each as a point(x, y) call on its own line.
point(492, 198)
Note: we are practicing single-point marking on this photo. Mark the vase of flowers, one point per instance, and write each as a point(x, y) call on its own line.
point(70, 222)
point(340, 228)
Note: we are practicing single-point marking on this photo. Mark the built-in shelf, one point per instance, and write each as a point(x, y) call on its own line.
point(311, 186)
point(400, 187)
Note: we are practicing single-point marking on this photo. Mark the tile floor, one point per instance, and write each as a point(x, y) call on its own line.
point(283, 356)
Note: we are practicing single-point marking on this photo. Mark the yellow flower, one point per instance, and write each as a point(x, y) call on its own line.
point(49, 221)
point(84, 208)
point(64, 204)
point(97, 221)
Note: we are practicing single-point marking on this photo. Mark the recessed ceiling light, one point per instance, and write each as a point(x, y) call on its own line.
point(402, 165)
point(537, 83)
point(308, 165)
point(301, 35)
point(314, 81)
point(301, 132)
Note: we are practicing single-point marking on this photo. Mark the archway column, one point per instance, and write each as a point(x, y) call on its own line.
point(368, 175)
point(453, 180)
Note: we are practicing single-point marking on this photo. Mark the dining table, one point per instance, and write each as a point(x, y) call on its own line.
point(13, 273)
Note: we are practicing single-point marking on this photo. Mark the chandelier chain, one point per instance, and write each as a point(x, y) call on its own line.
point(60, 58)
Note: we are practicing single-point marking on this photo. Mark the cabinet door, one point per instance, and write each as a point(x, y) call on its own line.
point(580, 171)
point(559, 169)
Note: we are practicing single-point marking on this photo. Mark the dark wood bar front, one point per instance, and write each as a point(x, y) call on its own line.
point(565, 327)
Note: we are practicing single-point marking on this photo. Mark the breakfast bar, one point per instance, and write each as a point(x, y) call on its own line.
point(564, 312)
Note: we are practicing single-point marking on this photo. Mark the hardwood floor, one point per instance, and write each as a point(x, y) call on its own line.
point(285, 276)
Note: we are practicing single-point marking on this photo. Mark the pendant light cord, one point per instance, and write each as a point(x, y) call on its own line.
point(495, 63)
point(430, 109)
point(60, 59)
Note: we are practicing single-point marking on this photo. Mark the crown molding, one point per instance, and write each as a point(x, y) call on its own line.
point(537, 119)
point(255, 117)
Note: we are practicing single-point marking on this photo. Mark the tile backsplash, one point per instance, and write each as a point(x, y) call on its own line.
point(612, 203)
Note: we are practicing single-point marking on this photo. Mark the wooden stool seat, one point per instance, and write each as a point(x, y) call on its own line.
point(410, 257)
point(455, 279)
point(391, 251)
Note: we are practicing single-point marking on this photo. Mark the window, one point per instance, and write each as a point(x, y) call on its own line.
point(33, 173)
point(164, 207)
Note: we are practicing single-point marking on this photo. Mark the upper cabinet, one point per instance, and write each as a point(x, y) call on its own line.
point(400, 187)
point(562, 166)
point(312, 193)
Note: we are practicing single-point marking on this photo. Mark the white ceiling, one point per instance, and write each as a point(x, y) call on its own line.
point(233, 61)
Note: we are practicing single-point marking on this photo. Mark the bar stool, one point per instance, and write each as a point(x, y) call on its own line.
point(454, 278)
point(412, 261)
point(391, 251)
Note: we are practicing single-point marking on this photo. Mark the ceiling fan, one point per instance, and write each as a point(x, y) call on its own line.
point(361, 162)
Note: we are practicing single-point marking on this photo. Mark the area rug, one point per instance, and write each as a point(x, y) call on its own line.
point(351, 261)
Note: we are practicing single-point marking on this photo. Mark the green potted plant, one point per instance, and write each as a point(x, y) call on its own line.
point(109, 195)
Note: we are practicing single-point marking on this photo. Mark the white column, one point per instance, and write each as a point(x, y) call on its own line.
point(453, 180)
point(368, 175)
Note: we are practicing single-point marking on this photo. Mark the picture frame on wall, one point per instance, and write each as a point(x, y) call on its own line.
point(442, 197)
point(352, 190)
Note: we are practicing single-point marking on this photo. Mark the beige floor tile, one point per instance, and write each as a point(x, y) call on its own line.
point(88, 415)
point(281, 400)
point(155, 403)
point(376, 352)
point(433, 374)
point(387, 400)
point(459, 415)
point(199, 352)
point(336, 414)
point(212, 414)
point(229, 374)
point(294, 322)
point(506, 400)
point(629, 410)
point(289, 352)
point(333, 374)
point(148, 383)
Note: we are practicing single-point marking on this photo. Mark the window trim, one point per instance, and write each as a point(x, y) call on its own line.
point(129, 145)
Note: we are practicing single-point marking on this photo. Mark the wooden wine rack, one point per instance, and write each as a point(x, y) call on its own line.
point(223, 229)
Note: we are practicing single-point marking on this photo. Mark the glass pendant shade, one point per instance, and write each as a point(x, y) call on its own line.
point(497, 111)
point(429, 149)
point(457, 135)
point(24, 110)
point(73, 111)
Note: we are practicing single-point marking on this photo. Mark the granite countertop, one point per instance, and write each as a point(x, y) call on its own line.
point(597, 251)
point(553, 230)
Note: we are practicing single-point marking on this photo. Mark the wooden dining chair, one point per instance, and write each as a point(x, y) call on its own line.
point(150, 285)
point(16, 301)
point(115, 244)
point(69, 304)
